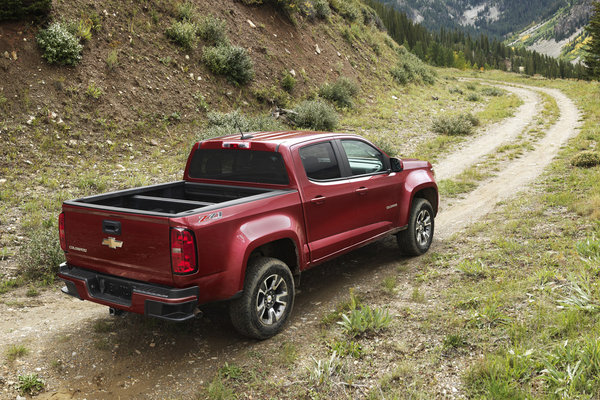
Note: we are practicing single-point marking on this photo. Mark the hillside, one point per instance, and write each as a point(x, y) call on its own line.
point(551, 27)
point(562, 35)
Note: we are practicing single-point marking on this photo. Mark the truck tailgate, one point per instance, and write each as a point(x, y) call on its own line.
point(126, 245)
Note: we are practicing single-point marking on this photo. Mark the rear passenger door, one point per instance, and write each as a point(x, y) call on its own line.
point(328, 200)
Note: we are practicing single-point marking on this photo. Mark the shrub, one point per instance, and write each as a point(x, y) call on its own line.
point(186, 11)
point(84, 29)
point(288, 82)
point(221, 124)
point(183, 34)
point(112, 60)
point(322, 9)
point(212, 31)
point(492, 91)
point(345, 9)
point(93, 91)
point(370, 17)
point(58, 45)
point(586, 159)
point(411, 69)
point(39, 259)
point(316, 115)
point(340, 92)
point(230, 61)
point(461, 124)
point(473, 97)
point(365, 320)
point(272, 96)
point(30, 384)
point(18, 9)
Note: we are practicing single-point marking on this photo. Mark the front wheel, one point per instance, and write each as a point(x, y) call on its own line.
point(267, 300)
point(416, 239)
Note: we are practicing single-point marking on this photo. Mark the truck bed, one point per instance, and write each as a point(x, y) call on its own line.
point(174, 199)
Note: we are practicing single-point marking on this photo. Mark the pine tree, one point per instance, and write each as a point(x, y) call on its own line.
point(592, 57)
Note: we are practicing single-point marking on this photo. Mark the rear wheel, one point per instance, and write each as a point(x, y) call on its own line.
point(416, 239)
point(267, 301)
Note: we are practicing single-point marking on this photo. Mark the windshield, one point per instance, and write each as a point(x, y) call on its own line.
point(239, 165)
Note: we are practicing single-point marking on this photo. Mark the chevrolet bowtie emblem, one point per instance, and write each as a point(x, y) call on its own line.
point(112, 243)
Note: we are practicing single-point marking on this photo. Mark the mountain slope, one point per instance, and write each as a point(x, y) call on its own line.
point(551, 27)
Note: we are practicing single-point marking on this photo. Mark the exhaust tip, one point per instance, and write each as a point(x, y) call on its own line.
point(115, 312)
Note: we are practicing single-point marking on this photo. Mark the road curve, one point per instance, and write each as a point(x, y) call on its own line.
point(516, 175)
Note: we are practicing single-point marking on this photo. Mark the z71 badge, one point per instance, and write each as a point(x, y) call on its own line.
point(210, 217)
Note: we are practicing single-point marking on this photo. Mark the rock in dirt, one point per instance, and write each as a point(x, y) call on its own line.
point(317, 49)
point(251, 23)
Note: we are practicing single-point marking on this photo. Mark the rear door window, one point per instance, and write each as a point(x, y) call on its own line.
point(320, 162)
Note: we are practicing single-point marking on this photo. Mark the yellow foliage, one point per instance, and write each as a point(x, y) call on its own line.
point(524, 38)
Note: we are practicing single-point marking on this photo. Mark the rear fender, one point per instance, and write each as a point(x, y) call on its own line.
point(260, 232)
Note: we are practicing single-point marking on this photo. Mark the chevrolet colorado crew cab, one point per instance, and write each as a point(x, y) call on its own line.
point(251, 213)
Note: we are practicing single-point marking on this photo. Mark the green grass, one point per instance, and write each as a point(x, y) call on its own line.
point(499, 107)
point(16, 351)
point(30, 384)
point(365, 320)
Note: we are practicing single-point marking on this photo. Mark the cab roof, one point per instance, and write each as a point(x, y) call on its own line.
point(273, 139)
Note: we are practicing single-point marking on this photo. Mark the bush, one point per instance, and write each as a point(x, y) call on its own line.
point(586, 159)
point(473, 97)
point(230, 61)
point(316, 115)
point(186, 11)
point(288, 82)
point(18, 9)
point(411, 69)
point(322, 9)
point(212, 31)
point(461, 124)
point(492, 91)
point(40, 257)
point(345, 9)
point(221, 124)
point(183, 34)
point(272, 96)
point(341, 92)
point(58, 45)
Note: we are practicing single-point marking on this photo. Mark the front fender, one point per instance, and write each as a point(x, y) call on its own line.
point(420, 183)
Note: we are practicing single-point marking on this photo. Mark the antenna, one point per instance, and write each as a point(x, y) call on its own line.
point(244, 137)
point(237, 125)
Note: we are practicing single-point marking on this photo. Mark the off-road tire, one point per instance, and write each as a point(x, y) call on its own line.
point(267, 300)
point(416, 239)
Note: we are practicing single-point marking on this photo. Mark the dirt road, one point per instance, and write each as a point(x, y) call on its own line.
point(81, 352)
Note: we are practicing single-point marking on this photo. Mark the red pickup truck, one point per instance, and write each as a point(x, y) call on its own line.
point(251, 213)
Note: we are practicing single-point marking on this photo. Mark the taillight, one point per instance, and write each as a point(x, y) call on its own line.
point(61, 231)
point(183, 251)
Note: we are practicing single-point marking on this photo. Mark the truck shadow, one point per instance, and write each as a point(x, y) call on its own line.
point(145, 352)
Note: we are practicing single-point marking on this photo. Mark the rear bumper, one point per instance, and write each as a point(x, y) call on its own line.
point(152, 300)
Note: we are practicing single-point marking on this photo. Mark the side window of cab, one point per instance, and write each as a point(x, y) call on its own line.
point(320, 162)
point(363, 158)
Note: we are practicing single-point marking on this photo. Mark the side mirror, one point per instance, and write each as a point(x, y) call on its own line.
point(396, 165)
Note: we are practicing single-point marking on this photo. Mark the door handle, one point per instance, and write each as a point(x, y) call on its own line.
point(318, 200)
point(361, 190)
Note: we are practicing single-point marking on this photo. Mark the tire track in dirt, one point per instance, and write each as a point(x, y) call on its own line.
point(516, 176)
point(492, 137)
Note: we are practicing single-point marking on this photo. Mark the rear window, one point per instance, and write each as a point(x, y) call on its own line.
point(239, 165)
